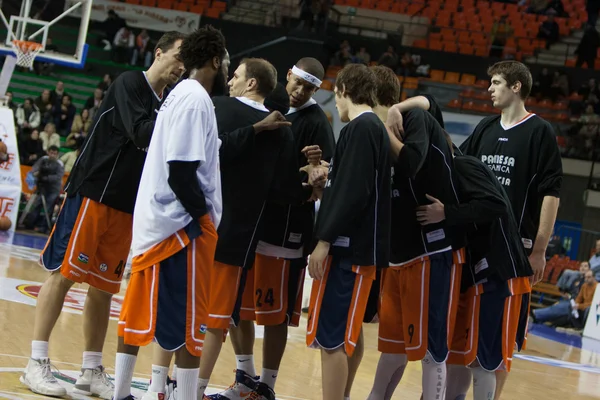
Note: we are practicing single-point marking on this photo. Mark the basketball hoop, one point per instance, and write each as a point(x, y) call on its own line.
point(26, 52)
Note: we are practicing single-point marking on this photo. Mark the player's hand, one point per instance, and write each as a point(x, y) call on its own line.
point(394, 123)
point(538, 264)
point(317, 174)
point(273, 121)
point(316, 261)
point(432, 213)
point(313, 154)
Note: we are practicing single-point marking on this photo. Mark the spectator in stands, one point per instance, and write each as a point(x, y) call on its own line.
point(142, 49)
point(557, 7)
point(94, 110)
point(407, 66)
point(59, 92)
point(588, 88)
point(570, 280)
point(44, 104)
point(542, 84)
point(595, 261)
point(95, 99)
point(124, 43)
point(573, 310)
point(501, 32)
point(10, 103)
point(32, 148)
point(28, 116)
point(106, 82)
point(63, 115)
point(69, 158)
point(588, 132)
point(80, 128)
point(49, 137)
point(555, 247)
point(362, 57)
point(111, 26)
point(549, 30)
point(588, 48)
point(560, 85)
point(342, 57)
point(389, 58)
point(45, 68)
point(593, 8)
point(537, 6)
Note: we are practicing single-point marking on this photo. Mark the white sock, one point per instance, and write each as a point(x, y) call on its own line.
point(434, 378)
point(268, 377)
point(159, 379)
point(39, 349)
point(347, 398)
point(187, 384)
point(484, 384)
point(124, 365)
point(202, 385)
point(174, 374)
point(246, 364)
point(458, 382)
point(387, 367)
point(91, 359)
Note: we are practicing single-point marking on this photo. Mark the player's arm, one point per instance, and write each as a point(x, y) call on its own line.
point(286, 187)
point(137, 122)
point(412, 151)
point(421, 102)
point(183, 180)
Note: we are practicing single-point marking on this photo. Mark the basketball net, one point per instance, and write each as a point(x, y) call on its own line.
point(26, 52)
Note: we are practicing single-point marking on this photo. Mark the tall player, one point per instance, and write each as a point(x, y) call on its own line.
point(175, 222)
point(352, 230)
point(417, 310)
point(91, 239)
point(274, 299)
point(521, 150)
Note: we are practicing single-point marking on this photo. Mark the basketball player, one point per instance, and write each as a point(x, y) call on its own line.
point(352, 230)
point(417, 302)
point(98, 211)
point(521, 150)
point(496, 263)
point(273, 292)
point(175, 222)
point(269, 156)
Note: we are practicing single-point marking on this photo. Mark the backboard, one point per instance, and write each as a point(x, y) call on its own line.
point(70, 42)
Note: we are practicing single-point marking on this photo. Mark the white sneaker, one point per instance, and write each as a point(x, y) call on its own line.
point(38, 377)
point(241, 389)
point(95, 382)
point(153, 396)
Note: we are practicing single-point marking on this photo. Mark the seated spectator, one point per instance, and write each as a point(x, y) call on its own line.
point(94, 110)
point(407, 66)
point(44, 104)
point(28, 116)
point(555, 248)
point(362, 57)
point(588, 88)
point(574, 311)
point(58, 93)
point(570, 280)
point(106, 82)
point(560, 85)
point(123, 45)
point(549, 30)
point(69, 158)
point(95, 99)
point(537, 6)
point(589, 122)
point(501, 32)
point(389, 58)
point(49, 137)
point(595, 261)
point(142, 48)
point(342, 57)
point(63, 115)
point(32, 148)
point(588, 48)
point(80, 128)
point(542, 84)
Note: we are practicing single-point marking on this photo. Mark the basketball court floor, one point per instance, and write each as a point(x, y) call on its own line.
point(555, 366)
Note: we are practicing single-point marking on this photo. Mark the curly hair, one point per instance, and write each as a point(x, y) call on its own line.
point(202, 46)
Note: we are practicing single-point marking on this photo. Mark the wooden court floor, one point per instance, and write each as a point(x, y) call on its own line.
point(547, 370)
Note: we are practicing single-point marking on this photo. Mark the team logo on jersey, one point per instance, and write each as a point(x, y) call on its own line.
point(103, 267)
point(203, 328)
point(83, 258)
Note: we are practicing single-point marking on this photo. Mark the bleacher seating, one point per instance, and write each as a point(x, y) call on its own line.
point(209, 8)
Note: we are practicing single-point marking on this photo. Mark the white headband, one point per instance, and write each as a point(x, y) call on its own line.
point(306, 76)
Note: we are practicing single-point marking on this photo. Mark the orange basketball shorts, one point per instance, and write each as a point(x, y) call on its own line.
point(168, 293)
point(273, 291)
point(418, 301)
point(89, 243)
point(226, 285)
point(488, 321)
point(337, 305)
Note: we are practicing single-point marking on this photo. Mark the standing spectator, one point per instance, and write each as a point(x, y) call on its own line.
point(95, 99)
point(549, 30)
point(501, 32)
point(106, 82)
point(49, 137)
point(143, 49)
point(111, 26)
point(588, 47)
point(80, 128)
point(44, 104)
point(64, 114)
point(124, 42)
point(10, 103)
point(31, 149)
point(28, 116)
point(362, 56)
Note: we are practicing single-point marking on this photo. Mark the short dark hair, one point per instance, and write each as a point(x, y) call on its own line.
point(53, 148)
point(513, 72)
point(167, 41)
point(387, 92)
point(201, 46)
point(264, 72)
point(312, 66)
point(29, 99)
point(358, 82)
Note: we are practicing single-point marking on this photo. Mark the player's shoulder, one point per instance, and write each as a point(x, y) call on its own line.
point(312, 114)
point(488, 122)
point(224, 101)
point(130, 78)
point(367, 122)
point(192, 93)
point(539, 123)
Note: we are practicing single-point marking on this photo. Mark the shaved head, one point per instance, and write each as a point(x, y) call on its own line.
point(312, 66)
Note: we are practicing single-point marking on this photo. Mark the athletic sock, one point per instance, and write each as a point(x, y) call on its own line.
point(246, 364)
point(434, 378)
point(202, 385)
point(458, 382)
point(187, 384)
point(124, 365)
point(159, 379)
point(91, 359)
point(387, 367)
point(268, 377)
point(484, 384)
point(39, 349)
point(347, 398)
point(174, 374)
